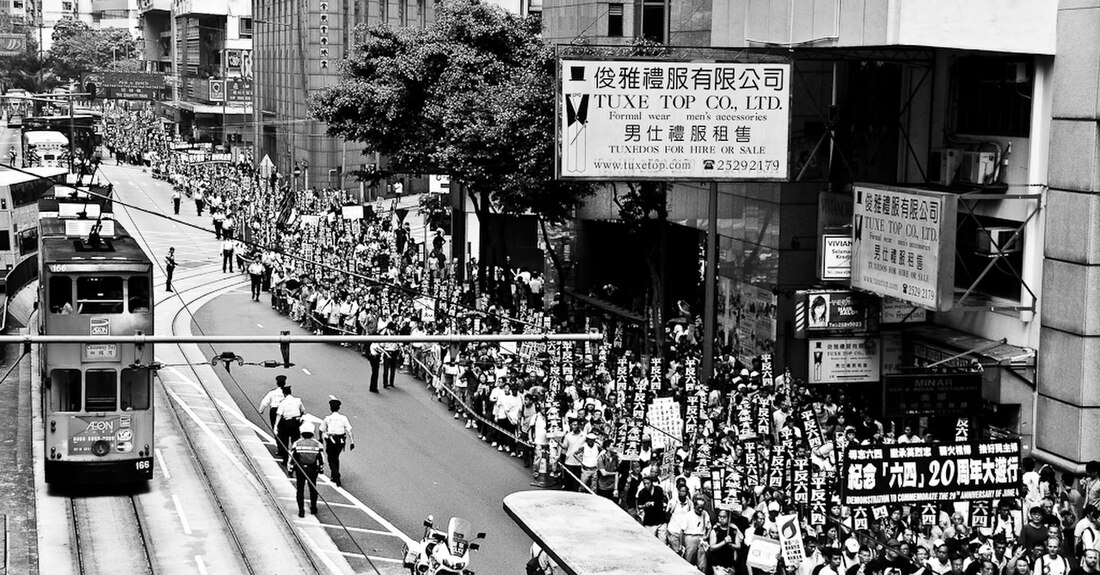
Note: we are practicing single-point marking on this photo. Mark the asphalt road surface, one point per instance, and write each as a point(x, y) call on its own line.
point(412, 459)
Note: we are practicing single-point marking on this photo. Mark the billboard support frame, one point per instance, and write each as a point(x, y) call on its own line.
point(964, 202)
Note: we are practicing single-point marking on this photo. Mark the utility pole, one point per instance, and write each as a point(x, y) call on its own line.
point(72, 135)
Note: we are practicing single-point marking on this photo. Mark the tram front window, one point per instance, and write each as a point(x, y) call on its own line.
point(101, 385)
point(96, 294)
point(65, 389)
point(61, 295)
point(138, 294)
point(134, 391)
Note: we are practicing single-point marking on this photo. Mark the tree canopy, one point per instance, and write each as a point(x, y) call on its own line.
point(472, 96)
point(79, 49)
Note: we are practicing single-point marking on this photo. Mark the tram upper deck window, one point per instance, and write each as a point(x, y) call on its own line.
point(137, 293)
point(61, 294)
point(134, 391)
point(65, 389)
point(101, 386)
point(98, 294)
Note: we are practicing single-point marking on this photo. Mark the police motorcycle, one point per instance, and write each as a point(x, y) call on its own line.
point(442, 552)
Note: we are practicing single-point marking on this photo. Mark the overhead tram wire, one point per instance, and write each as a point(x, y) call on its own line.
point(355, 274)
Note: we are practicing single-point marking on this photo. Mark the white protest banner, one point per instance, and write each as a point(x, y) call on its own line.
point(763, 554)
point(790, 538)
point(664, 417)
point(634, 119)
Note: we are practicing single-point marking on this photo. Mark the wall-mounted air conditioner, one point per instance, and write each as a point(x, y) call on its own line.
point(977, 167)
point(944, 166)
point(998, 241)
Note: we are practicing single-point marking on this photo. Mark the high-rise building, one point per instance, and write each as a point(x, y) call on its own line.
point(205, 47)
point(299, 50)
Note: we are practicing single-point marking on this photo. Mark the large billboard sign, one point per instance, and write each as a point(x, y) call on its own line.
point(903, 244)
point(920, 473)
point(636, 120)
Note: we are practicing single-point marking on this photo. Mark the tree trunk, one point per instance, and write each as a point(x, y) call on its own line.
point(481, 209)
point(555, 258)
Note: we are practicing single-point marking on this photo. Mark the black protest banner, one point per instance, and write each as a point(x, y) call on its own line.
point(918, 473)
point(777, 470)
point(981, 513)
point(819, 496)
point(800, 480)
point(814, 437)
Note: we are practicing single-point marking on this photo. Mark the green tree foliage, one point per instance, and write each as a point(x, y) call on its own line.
point(28, 72)
point(79, 49)
point(471, 96)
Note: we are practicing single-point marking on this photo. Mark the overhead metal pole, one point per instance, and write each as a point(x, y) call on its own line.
point(448, 339)
point(710, 276)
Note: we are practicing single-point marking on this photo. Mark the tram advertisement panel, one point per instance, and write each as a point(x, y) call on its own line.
point(917, 473)
point(92, 435)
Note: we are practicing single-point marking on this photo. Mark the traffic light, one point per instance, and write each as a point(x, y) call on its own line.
point(92, 90)
point(284, 348)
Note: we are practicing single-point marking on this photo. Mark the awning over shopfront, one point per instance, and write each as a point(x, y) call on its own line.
point(216, 109)
point(988, 352)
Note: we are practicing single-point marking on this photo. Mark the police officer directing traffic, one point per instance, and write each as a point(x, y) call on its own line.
point(288, 419)
point(306, 462)
point(337, 431)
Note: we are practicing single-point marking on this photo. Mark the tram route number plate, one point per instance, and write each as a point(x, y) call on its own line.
point(100, 352)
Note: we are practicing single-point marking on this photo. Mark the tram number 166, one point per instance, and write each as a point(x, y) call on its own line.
point(142, 465)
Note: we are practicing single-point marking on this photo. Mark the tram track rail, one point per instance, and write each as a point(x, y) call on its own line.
point(120, 545)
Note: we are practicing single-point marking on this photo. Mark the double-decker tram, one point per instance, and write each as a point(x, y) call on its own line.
point(94, 280)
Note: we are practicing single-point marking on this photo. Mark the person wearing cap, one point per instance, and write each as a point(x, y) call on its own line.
point(271, 401)
point(288, 418)
point(1034, 531)
point(337, 432)
point(306, 461)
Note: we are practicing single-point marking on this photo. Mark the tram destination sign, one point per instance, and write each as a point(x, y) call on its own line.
point(924, 473)
point(637, 120)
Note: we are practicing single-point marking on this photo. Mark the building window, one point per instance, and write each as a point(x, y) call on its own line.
point(246, 27)
point(615, 20)
point(5, 240)
point(66, 6)
point(649, 20)
point(992, 96)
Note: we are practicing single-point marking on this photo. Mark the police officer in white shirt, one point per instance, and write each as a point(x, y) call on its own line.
point(288, 418)
point(337, 430)
point(271, 403)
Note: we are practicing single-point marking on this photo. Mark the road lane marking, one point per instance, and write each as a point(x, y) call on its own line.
point(319, 552)
point(371, 557)
point(260, 325)
point(358, 530)
point(332, 503)
point(346, 495)
point(163, 464)
point(183, 518)
point(201, 565)
point(306, 371)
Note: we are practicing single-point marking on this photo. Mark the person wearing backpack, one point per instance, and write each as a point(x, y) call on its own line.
point(306, 461)
point(1086, 531)
point(1052, 562)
